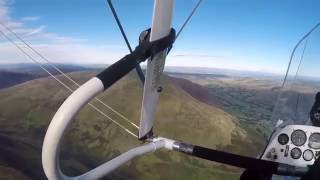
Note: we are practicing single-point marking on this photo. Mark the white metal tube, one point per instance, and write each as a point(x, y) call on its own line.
point(161, 26)
point(61, 121)
point(59, 124)
point(111, 165)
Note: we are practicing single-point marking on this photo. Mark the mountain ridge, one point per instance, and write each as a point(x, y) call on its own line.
point(92, 140)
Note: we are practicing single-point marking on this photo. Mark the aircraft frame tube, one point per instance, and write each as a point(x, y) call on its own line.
point(117, 70)
point(59, 124)
point(239, 160)
point(61, 120)
point(161, 26)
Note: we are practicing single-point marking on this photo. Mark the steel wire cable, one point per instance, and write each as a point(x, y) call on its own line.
point(115, 15)
point(63, 84)
point(194, 9)
point(65, 75)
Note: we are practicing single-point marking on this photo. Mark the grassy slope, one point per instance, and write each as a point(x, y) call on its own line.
point(26, 109)
point(8, 173)
point(251, 100)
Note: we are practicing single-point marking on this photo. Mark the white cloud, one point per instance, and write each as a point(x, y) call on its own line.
point(30, 18)
point(57, 48)
point(79, 53)
point(37, 30)
point(195, 54)
point(21, 27)
point(63, 53)
point(62, 49)
point(225, 60)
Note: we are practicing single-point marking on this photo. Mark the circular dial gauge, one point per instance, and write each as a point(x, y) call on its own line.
point(283, 139)
point(295, 153)
point(314, 141)
point(298, 137)
point(308, 155)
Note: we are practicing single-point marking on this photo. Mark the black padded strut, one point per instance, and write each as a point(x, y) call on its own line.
point(315, 111)
point(253, 166)
point(234, 160)
point(144, 50)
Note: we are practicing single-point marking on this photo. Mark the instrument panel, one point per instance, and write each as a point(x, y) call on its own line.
point(296, 145)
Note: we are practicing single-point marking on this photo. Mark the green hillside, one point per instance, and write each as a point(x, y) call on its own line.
point(26, 110)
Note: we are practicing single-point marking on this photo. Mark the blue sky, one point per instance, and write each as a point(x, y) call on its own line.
point(236, 34)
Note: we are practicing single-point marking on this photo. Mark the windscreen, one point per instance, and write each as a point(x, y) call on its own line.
point(297, 98)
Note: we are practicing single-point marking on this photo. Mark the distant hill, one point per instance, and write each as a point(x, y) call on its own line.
point(197, 91)
point(26, 110)
point(220, 71)
point(35, 69)
point(8, 78)
point(13, 74)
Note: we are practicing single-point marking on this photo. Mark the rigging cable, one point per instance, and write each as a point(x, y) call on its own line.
point(70, 79)
point(138, 67)
point(63, 84)
point(65, 75)
point(140, 73)
point(188, 19)
point(194, 9)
